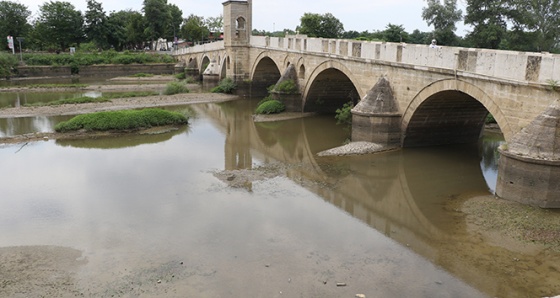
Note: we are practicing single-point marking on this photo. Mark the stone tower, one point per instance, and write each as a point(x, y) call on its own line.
point(238, 25)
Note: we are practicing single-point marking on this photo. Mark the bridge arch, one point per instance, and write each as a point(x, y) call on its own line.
point(329, 86)
point(265, 72)
point(449, 111)
point(205, 61)
point(224, 66)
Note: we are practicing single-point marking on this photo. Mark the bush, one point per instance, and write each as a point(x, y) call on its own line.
point(344, 114)
point(490, 119)
point(176, 88)
point(269, 97)
point(225, 86)
point(272, 106)
point(287, 86)
point(122, 120)
point(7, 64)
point(125, 59)
point(181, 76)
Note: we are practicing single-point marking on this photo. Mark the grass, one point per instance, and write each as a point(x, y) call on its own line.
point(142, 75)
point(88, 99)
point(287, 86)
point(122, 120)
point(176, 88)
point(77, 100)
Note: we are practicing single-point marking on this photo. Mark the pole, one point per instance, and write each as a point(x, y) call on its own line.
point(20, 39)
point(20, 54)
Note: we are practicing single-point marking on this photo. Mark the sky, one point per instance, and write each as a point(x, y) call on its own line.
point(276, 15)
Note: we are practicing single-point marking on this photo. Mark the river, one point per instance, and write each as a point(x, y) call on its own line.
point(148, 215)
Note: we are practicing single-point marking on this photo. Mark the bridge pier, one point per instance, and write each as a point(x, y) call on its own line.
point(191, 70)
point(376, 118)
point(286, 90)
point(529, 166)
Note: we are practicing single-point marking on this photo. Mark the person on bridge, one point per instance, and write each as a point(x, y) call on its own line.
point(433, 44)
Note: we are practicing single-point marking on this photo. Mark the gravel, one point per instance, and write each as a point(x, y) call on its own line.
point(353, 148)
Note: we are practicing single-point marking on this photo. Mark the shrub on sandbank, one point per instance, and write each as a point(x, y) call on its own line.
point(122, 120)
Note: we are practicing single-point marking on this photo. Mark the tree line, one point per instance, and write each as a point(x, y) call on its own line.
point(521, 25)
point(59, 25)
point(524, 25)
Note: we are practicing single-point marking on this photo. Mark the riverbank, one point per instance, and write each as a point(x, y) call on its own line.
point(114, 104)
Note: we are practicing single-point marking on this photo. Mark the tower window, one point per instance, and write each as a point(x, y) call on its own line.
point(240, 22)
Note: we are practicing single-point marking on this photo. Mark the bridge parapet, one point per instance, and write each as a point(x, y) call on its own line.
point(207, 47)
point(496, 64)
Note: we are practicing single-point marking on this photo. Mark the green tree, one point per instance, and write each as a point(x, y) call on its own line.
point(350, 34)
point(395, 33)
point(194, 29)
point(135, 24)
point(13, 20)
point(96, 24)
point(418, 37)
point(156, 13)
point(116, 24)
point(540, 19)
point(175, 21)
point(37, 38)
point(317, 25)
point(443, 17)
point(60, 24)
point(215, 24)
point(126, 30)
point(488, 18)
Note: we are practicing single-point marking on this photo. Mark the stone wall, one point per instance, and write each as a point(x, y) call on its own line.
point(44, 71)
point(129, 69)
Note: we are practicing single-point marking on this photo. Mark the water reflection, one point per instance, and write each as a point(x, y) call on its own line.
point(106, 80)
point(126, 141)
point(404, 194)
point(19, 126)
point(490, 157)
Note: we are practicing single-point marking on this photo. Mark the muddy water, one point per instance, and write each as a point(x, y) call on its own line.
point(147, 216)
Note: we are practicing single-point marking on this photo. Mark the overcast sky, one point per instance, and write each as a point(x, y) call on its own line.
point(271, 15)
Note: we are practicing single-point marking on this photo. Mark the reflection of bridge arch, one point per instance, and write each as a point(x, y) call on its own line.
point(391, 192)
point(450, 103)
point(393, 200)
point(330, 85)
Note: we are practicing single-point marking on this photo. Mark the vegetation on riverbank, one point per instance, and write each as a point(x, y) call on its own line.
point(270, 106)
point(344, 114)
point(91, 58)
point(9, 63)
point(122, 120)
point(176, 88)
point(89, 99)
point(225, 86)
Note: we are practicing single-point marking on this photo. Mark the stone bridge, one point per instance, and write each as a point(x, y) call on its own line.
point(405, 95)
